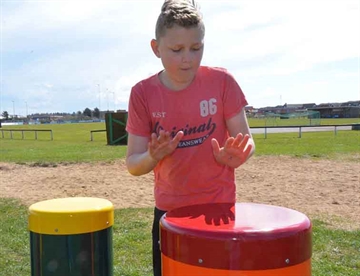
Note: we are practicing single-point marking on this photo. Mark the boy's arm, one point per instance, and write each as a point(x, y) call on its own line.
point(138, 159)
point(239, 124)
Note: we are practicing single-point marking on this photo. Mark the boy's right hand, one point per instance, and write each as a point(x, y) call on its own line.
point(162, 145)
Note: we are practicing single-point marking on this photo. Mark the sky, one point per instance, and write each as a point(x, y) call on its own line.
point(68, 55)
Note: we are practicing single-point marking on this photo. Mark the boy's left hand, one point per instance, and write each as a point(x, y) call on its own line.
point(235, 151)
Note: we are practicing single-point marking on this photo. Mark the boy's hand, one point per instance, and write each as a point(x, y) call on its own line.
point(235, 151)
point(163, 145)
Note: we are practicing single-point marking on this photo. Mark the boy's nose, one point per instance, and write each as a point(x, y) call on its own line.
point(186, 57)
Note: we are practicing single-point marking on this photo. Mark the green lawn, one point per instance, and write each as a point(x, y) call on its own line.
point(343, 145)
point(72, 144)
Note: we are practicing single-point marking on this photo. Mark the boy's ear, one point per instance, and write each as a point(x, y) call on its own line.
point(155, 47)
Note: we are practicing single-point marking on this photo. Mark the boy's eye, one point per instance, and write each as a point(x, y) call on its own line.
point(176, 50)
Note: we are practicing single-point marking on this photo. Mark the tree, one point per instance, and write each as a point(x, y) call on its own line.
point(5, 114)
point(97, 113)
point(87, 112)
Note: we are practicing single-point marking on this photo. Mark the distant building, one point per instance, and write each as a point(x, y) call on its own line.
point(45, 117)
point(338, 110)
point(349, 109)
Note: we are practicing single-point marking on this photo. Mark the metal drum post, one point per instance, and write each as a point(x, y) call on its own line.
point(242, 239)
point(72, 237)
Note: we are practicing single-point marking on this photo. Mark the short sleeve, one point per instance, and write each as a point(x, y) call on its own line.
point(234, 99)
point(138, 121)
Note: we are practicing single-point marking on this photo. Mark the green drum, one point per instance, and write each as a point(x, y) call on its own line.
point(72, 237)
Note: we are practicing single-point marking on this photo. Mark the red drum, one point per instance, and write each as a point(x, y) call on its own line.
point(242, 239)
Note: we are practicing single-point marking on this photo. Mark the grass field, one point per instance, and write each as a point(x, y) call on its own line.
point(72, 144)
point(335, 252)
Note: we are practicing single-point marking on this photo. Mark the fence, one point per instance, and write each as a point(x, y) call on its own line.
point(24, 130)
point(309, 128)
point(285, 129)
point(92, 131)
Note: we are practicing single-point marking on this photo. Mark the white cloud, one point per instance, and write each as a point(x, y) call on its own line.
point(305, 33)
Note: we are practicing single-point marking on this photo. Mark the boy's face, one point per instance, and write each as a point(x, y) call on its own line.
point(181, 50)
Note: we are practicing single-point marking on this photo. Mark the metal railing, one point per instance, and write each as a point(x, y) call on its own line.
point(92, 131)
point(300, 129)
point(25, 130)
point(309, 128)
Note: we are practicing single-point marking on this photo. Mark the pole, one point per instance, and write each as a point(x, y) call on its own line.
point(26, 109)
point(13, 109)
point(99, 97)
point(107, 98)
point(99, 101)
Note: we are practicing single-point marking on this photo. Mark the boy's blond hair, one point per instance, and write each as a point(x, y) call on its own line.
point(184, 13)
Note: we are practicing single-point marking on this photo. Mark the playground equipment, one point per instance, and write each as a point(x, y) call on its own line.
point(115, 128)
point(241, 239)
point(71, 236)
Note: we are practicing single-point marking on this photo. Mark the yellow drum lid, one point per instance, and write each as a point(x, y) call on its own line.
point(75, 215)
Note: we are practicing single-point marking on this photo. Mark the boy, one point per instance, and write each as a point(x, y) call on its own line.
point(179, 117)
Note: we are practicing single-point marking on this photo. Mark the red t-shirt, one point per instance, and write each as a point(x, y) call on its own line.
point(190, 175)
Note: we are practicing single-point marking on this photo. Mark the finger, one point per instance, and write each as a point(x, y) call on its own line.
point(248, 150)
point(153, 139)
point(215, 146)
point(229, 142)
point(239, 137)
point(244, 141)
point(164, 137)
point(176, 140)
point(178, 136)
point(161, 135)
point(152, 150)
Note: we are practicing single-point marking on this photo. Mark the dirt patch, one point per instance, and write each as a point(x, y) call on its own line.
point(324, 189)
